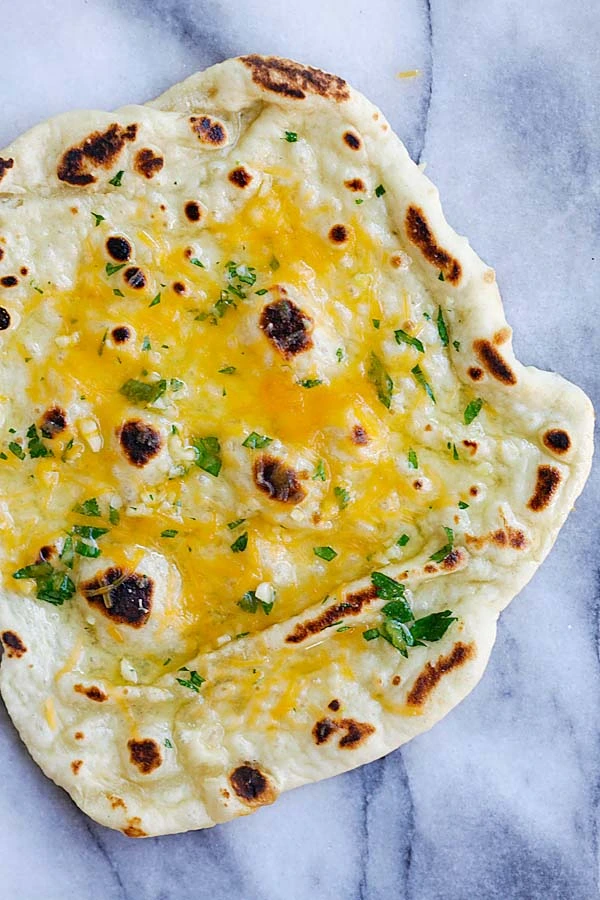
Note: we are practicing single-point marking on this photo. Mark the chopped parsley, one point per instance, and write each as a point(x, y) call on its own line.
point(91, 532)
point(310, 382)
point(168, 744)
point(102, 343)
point(240, 543)
point(462, 504)
point(16, 450)
point(455, 455)
point(472, 411)
point(116, 181)
point(169, 533)
point(380, 380)
point(402, 337)
point(196, 262)
point(155, 301)
point(88, 508)
point(261, 292)
point(403, 540)
point(257, 441)
point(342, 496)
point(376, 323)
point(420, 379)
point(441, 276)
point(227, 370)
point(35, 445)
point(250, 603)
point(208, 452)
point(118, 293)
point(111, 268)
point(98, 218)
point(319, 474)
point(114, 516)
point(441, 327)
point(291, 137)
point(413, 462)
point(441, 554)
point(274, 264)
point(379, 190)
point(339, 354)
point(142, 392)
point(326, 553)
point(456, 345)
point(52, 585)
point(88, 550)
point(146, 345)
point(235, 524)
point(194, 681)
point(359, 200)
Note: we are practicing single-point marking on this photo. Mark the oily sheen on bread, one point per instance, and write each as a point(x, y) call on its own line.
point(269, 469)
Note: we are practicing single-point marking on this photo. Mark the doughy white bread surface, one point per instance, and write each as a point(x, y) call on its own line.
point(246, 364)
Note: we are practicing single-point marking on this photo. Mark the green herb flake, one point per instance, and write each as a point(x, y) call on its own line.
point(420, 379)
point(472, 411)
point(208, 452)
point(342, 496)
point(343, 628)
point(169, 533)
point(118, 293)
point(441, 327)
point(240, 543)
point(155, 301)
point(227, 370)
point(194, 681)
point(326, 553)
point(274, 264)
point(143, 393)
point(65, 452)
point(249, 602)
point(371, 634)
point(319, 474)
point(116, 181)
point(16, 450)
point(291, 137)
point(432, 627)
point(146, 345)
point(88, 550)
point(441, 276)
point(102, 343)
point(403, 540)
point(440, 555)
point(379, 190)
point(261, 292)
point(97, 218)
point(380, 380)
point(402, 337)
point(67, 554)
point(196, 262)
point(339, 354)
point(168, 744)
point(376, 323)
point(36, 447)
point(456, 345)
point(413, 462)
point(36, 570)
point(310, 382)
point(3, 455)
point(114, 516)
point(91, 532)
point(111, 268)
point(455, 455)
point(88, 508)
point(235, 524)
point(359, 200)
point(462, 504)
point(256, 441)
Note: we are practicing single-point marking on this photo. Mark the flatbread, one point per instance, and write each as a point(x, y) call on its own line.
point(245, 365)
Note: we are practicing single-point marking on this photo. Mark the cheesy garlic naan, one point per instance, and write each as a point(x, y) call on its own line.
point(269, 469)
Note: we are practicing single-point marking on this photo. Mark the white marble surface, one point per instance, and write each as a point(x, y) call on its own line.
point(500, 800)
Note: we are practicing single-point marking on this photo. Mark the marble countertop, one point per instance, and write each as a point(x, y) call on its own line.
point(500, 800)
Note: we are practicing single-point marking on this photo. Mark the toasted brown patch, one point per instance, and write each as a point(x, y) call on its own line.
point(356, 733)
point(396, 680)
point(129, 602)
point(13, 645)
point(557, 440)
point(351, 606)
point(92, 693)
point(291, 79)
point(24, 270)
point(420, 234)
point(133, 829)
point(359, 435)
point(489, 276)
point(432, 674)
point(79, 735)
point(454, 560)
point(352, 140)
point(76, 765)
point(417, 484)
point(102, 148)
point(502, 335)
point(471, 446)
point(140, 442)
point(430, 568)
point(147, 163)
point(116, 802)
point(397, 262)
point(287, 327)
point(277, 480)
point(252, 786)
point(9, 281)
point(47, 552)
point(192, 211)
point(135, 278)
point(339, 234)
point(179, 287)
point(53, 422)
point(5, 165)
point(475, 373)
point(209, 131)
point(355, 184)
point(4, 319)
point(473, 490)
point(121, 334)
point(548, 480)
point(493, 362)
point(240, 177)
point(334, 705)
point(119, 248)
point(322, 730)
point(145, 754)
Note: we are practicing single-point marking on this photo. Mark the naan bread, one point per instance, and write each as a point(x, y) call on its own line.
point(245, 365)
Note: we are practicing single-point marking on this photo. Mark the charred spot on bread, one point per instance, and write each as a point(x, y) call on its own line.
point(433, 673)
point(546, 485)
point(140, 442)
point(355, 733)
point(359, 436)
point(334, 705)
point(355, 184)
point(53, 422)
point(147, 163)
point(322, 730)
point(192, 211)
point(119, 248)
point(352, 605)
point(135, 278)
point(493, 362)
point(144, 754)
point(76, 765)
point(209, 131)
point(13, 645)
point(4, 319)
point(287, 327)
point(92, 693)
point(101, 148)
point(293, 80)
point(339, 234)
point(121, 334)
point(277, 480)
point(133, 829)
point(251, 785)
point(9, 281)
point(5, 165)
point(420, 234)
point(124, 597)
point(240, 177)
point(475, 373)
point(557, 440)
